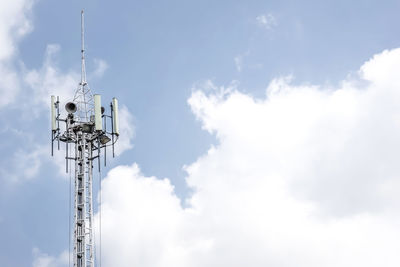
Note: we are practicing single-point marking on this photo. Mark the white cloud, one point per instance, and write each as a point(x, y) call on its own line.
point(267, 21)
point(9, 85)
point(27, 162)
point(14, 24)
point(44, 260)
point(305, 177)
point(127, 131)
point(24, 164)
point(156, 212)
point(49, 80)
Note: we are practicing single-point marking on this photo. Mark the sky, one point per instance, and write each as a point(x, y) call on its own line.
point(253, 133)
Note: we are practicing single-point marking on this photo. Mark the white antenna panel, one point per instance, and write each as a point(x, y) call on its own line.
point(97, 113)
point(53, 113)
point(115, 116)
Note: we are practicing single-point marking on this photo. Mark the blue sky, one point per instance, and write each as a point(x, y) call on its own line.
point(158, 54)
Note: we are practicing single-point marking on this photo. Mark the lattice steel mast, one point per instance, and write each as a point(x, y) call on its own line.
point(84, 130)
point(83, 96)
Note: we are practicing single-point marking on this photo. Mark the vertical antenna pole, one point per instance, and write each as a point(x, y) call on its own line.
point(52, 143)
point(112, 128)
point(83, 72)
point(66, 156)
point(98, 152)
point(105, 146)
point(58, 121)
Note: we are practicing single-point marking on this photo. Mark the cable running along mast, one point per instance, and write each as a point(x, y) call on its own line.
point(85, 130)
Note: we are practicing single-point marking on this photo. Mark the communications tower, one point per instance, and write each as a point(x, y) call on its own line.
point(85, 134)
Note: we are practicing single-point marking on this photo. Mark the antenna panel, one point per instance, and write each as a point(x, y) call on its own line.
point(115, 116)
point(53, 113)
point(97, 113)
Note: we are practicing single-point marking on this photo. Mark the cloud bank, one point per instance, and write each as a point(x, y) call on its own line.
point(14, 24)
point(307, 176)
